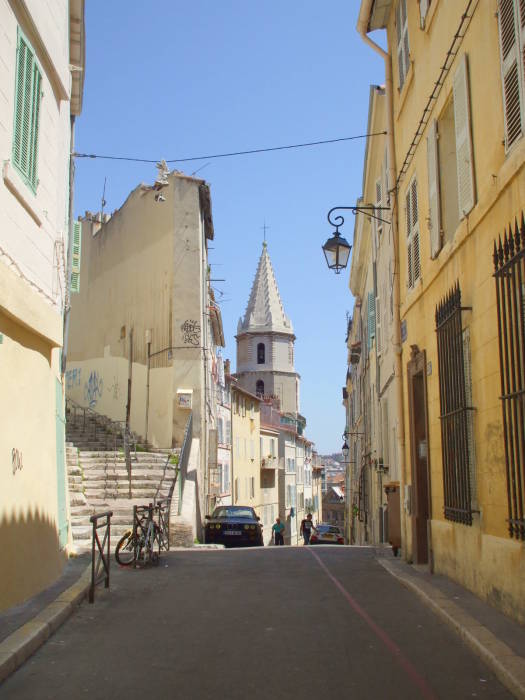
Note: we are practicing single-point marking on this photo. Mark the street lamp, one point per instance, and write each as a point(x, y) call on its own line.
point(337, 249)
point(345, 450)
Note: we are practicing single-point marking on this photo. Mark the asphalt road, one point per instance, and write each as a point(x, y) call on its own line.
point(272, 623)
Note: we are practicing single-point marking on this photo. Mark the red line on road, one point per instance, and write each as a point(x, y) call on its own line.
point(396, 652)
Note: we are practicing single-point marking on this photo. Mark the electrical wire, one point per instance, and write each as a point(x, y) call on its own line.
point(228, 155)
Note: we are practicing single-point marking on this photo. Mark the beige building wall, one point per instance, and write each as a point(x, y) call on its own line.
point(480, 555)
point(246, 455)
point(269, 475)
point(34, 520)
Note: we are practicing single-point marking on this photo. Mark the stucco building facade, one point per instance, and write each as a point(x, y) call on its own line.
point(41, 87)
point(144, 327)
point(457, 155)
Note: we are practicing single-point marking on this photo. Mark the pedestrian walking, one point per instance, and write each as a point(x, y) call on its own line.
point(306, 528)
point(278, 529)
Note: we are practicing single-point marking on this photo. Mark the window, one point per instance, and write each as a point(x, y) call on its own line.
point(236, 489)
point(450, 163)
point(28, 93)
point(76, 251)
point(510, 292)
point(259, 387)
point(412, 228)
point(225, 478)
point(403, 58)
point(511, 18)
point(371, 319)
point(424, 6)
point(454, 410)
point(220, 431)
point(228, 436)
point(252, 487)
point(260, 354)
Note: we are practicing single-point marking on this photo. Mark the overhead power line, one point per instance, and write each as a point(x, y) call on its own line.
point(228, 155)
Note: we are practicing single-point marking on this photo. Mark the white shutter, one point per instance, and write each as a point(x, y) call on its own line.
point(510, 69)
point(410, 277)
point(423, 9)
point(433, 191)
point(378, 325)
point(416, 263)
point(400, 59)
point(465, 163)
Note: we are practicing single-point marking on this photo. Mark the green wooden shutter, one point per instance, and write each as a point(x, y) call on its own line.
point(28, 90)
point(75, 257)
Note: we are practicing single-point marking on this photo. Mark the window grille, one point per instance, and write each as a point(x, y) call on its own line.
point(509, 265)
point(454, 410)
point(28, 94)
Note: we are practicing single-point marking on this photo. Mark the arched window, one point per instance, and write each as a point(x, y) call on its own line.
point(259, 387)
point(260, 354)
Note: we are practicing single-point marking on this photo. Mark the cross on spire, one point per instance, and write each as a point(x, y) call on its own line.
point(264, 228)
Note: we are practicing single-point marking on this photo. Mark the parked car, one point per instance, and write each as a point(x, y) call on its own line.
point(324, 533)
point(233, 526)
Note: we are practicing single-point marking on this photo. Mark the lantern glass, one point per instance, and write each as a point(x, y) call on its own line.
point(337, 251)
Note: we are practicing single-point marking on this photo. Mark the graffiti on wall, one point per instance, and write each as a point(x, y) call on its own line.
point(191, 332)
point(16, 460)
point(73, 378)
point(114, 389)
point(93, 389)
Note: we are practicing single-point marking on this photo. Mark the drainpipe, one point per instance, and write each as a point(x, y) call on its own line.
point(362, 28)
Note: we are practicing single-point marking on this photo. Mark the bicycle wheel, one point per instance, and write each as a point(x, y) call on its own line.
point(125, 550)
point(155, 547)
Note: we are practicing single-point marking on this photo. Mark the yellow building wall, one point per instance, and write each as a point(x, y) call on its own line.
point(481, 556)
point(31, 552)
point(246, 463)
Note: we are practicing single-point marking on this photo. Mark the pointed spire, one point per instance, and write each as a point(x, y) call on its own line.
point(265, 312)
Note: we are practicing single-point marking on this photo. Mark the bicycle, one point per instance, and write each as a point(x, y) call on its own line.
point(142, 544)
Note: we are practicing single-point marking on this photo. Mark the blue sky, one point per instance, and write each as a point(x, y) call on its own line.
point(176, 79)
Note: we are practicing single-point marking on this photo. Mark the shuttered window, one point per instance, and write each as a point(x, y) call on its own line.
point(403, 58)
point(371, 319)
point(511, 19)
point(75, 257)
point(412, 229)
point(433, 191)
point(378, 324)
point(423, 10)
point(464, 158)
point(28, 91)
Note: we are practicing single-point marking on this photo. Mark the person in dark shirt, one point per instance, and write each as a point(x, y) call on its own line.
point(306, 528)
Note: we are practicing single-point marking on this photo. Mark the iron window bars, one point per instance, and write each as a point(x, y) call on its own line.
point(509, 274)
point(454, 411)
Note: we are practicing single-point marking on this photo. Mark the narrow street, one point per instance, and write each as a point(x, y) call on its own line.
point(264, 623)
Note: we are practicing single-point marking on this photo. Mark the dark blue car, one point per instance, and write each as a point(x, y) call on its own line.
point(233, 526)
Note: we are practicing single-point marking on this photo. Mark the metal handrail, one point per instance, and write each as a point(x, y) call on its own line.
point(101, 557)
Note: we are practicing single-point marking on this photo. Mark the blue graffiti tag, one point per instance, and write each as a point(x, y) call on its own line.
point(73, 378)
point(93, 388)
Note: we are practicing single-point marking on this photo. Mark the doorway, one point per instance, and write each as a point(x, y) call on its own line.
point(420, 506)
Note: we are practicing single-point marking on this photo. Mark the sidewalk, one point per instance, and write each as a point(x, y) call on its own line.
point(494, 637)
point(24, 628)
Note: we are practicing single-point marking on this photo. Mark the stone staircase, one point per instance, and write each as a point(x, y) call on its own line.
point(98, 482)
